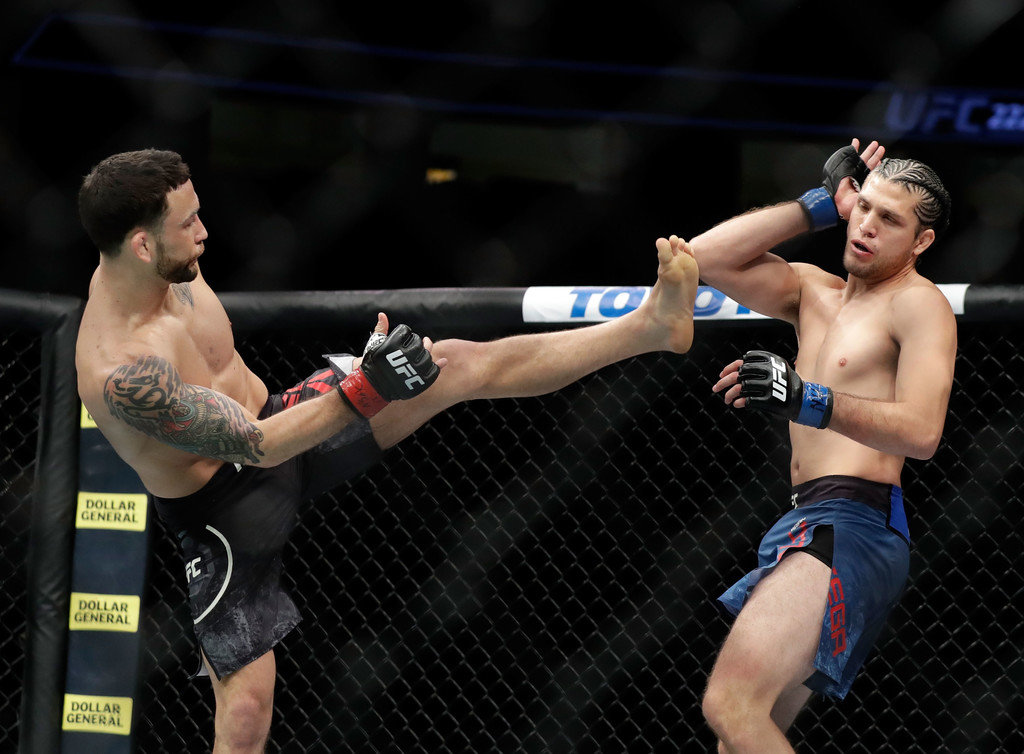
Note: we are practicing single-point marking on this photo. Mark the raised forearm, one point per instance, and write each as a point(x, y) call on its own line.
point(738, 242)
point(732, 245)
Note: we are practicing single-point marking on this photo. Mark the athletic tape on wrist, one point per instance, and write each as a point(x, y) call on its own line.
point(816, 409)
point(360, 394)
point(820, 208)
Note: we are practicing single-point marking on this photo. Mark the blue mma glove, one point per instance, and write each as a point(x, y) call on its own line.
point(819, 203)
point(770, 384)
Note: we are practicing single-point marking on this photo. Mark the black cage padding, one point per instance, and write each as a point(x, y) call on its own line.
point(49, 502)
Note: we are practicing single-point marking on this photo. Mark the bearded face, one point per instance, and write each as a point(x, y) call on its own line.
point(179, 239)
point(172, 270)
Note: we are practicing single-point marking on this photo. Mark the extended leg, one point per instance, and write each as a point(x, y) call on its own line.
point(527, 365)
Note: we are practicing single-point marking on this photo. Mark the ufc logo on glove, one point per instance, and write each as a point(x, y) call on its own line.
point(769, 384)
point(402, 366)
point(394, 367)
point(778, 378)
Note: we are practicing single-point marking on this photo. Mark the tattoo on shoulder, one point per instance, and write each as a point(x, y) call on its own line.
point(150, 396)
point(184, 293)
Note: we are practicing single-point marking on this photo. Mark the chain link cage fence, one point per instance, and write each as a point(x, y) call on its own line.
point(20, 360)
point(539, 575)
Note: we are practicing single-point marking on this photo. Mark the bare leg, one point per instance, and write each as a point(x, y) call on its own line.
point(536, 364)
point(789, 705)
point(245, 706)
point(753, 692)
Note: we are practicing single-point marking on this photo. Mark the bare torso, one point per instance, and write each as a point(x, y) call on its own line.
point(187, 326)
point(847, 343)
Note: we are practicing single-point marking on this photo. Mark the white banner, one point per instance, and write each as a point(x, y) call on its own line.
point(552, 304)
point(562, 304)
point(954, 293)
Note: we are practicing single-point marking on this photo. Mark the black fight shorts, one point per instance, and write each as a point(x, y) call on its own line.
point(233, 531)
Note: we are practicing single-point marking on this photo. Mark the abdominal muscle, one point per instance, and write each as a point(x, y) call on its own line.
point(820, 452)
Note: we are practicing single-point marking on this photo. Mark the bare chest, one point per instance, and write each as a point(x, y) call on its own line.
point(206, 348)
point(850, 348)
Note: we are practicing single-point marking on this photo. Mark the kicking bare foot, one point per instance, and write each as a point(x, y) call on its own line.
point(670, 305)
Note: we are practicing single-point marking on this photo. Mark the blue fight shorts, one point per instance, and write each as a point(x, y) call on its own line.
point(232, 533)
point(870, 559)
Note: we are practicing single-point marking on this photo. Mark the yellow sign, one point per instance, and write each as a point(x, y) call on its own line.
point(98, 714)
point(111, 510)
point(87, 421)
point(104, 612)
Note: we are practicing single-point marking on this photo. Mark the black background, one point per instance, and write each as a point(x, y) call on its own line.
point(304, 189)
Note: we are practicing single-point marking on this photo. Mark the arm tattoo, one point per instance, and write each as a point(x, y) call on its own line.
point(151, 397)
point(184, 293)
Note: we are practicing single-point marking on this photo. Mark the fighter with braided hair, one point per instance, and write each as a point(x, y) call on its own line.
point(869, 388)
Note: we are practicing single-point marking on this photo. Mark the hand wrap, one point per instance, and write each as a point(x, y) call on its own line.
point(770, 384)
point(395, 367)
point(819, 203)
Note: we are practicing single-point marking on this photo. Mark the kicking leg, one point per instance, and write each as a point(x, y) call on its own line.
point(535, 364)
point(753, 694)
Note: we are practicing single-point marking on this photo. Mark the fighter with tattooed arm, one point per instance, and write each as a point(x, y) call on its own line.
point(227, 463)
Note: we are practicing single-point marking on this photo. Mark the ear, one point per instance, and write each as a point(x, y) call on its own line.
point(924, 240)
point(141, 244)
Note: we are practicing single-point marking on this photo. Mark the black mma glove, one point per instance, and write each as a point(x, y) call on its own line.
point(394, 367)
point(770, 384)
point(819, 203)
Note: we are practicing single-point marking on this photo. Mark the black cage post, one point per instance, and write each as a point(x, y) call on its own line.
point(48, 570)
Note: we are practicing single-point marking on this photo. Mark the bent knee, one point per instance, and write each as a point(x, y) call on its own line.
point(243, 721)
point(727, 708)
point(250, 704)
point(716, 706)
point(735, 715)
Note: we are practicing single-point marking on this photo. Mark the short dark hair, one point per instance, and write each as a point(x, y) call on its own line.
point(933, 205)
point(126, 191)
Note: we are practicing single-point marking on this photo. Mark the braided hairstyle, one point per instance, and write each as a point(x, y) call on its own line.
point(933, 202)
